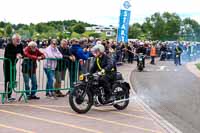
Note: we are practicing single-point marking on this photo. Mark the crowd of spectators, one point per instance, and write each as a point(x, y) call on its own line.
point(78, 50)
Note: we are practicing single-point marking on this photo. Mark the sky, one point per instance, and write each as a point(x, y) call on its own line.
point(101, 12)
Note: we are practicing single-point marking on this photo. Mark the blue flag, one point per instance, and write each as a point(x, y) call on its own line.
point(124, 19)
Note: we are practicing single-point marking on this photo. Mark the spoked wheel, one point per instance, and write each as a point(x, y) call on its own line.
point(122, 95)
point(80, 100)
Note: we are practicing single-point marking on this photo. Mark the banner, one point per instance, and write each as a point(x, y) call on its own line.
point(124, 19)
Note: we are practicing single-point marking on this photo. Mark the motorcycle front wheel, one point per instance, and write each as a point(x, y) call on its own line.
point(140, 68)
point(80, 100)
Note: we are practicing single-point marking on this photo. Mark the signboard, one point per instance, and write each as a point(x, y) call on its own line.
point(124, 19)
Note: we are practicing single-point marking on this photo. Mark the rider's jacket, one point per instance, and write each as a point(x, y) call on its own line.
point(104, 62)
point(141, 50)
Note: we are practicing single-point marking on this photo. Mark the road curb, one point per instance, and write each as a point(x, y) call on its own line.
point(193, 69)
point(164, 124)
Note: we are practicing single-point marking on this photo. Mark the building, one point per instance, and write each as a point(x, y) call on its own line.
point(110, 30)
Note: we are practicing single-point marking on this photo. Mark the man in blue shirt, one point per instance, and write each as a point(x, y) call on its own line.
point(80, 54)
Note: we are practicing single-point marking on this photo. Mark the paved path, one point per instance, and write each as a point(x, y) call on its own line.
point(50, 116)
point(173, 92)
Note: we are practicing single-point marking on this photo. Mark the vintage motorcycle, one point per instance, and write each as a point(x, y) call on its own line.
point(88, 92)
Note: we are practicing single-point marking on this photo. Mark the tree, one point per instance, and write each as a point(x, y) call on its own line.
point(95, 35)
point(163, 27)
point(2, 32)
point(2, 24)
point(8, 30)
point(192, 29)
point(135, 31)
point(172, 26)
point(78, 28)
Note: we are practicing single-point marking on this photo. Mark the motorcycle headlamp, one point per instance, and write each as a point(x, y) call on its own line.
point(81, 77)
point(140, 59)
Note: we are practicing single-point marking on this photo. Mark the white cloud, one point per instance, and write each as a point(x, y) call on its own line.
point(103, 12)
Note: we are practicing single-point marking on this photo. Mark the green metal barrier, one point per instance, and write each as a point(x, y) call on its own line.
point(4, 88)
point(72, 70)
point(69, 71)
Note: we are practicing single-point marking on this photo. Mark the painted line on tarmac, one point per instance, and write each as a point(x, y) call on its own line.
point(113, 112)
point(97, 119)
point(50, 121)
point(16, 129)
point(126, 114)
point(57, 106)
point(93, 118)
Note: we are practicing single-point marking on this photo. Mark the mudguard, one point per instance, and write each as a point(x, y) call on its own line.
point(124, 84)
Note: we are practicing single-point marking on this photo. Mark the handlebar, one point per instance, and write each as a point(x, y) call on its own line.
point(93, 74)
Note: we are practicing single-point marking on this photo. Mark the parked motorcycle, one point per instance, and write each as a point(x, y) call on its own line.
point(88, 92)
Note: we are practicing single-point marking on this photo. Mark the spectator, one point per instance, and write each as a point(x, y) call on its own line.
point(62, 66)
point(50, 64)
point(13, 51)
point(78, 51)
point(80, 54)
point(153, 54)
point(178, 52)
point(29, 67)
point(130, 52)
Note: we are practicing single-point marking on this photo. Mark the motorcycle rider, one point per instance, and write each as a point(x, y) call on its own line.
point(104, 65)
point(178, 52)
point(141, 49)
point(163, 51)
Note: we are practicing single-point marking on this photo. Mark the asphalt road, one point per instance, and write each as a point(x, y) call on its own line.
point(50, 116)
point(173, 92)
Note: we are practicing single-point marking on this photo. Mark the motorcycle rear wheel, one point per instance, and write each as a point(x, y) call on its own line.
point(124, 104)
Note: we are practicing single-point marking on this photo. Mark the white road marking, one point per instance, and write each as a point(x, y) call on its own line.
point(175, 70)
point(168, 70)
point(162, 68)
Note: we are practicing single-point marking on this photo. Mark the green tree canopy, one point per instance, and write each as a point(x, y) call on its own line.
point(8, 30)
point(78, 28)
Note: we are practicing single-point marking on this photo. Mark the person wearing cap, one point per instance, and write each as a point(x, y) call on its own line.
point(13, 52)
point(143, 50)
point(29, 66)
point(103, 64)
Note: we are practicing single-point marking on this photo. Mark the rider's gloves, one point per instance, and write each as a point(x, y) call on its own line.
point(102, 72)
